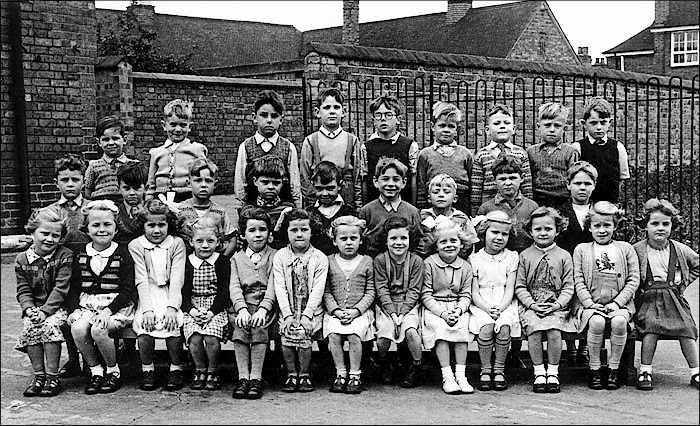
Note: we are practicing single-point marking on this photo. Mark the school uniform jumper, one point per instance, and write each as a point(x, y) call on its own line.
point(398, 290)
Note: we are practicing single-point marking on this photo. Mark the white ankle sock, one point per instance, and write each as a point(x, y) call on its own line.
point(114, 370)
point(97, 370)
point(446, 372)
point(645, 368)
point(174, 367)
point(553, 369)
point(148, 367)
point(460, 370)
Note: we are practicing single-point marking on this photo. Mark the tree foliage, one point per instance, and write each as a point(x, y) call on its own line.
point(130, 39)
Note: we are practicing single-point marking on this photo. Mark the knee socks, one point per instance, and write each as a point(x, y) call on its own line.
point(595, 344)
point(485, 349)
point(502, 346)
point(617, 345)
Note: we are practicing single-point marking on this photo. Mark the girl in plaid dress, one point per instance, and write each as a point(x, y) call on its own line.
point(205, 299)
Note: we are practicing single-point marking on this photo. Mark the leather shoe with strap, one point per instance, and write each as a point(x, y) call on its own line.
point(94, 385)
point(499, 385)
point(644, 381)
point(613, 382)
point(112, 383)
point(255, 391)
point(52, 387)
point(595, 380)
point(35, 386)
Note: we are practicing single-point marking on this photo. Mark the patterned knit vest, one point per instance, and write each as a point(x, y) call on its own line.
point(253, 151)
point(106, 282)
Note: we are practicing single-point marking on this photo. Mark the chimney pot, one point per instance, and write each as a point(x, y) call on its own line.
point(456, 10)
point(351, 22)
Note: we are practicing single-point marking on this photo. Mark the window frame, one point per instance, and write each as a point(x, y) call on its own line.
point(685, 52)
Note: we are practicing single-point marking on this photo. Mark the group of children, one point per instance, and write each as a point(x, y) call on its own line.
point(154, 252)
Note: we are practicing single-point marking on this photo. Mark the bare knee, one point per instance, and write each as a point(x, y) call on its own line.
point(354, 340)
point(486, 332)
point(80, 329)
point(596, 324)
point(504, 332)
point(618, 325)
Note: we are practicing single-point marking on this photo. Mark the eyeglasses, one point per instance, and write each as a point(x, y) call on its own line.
point(388, 115)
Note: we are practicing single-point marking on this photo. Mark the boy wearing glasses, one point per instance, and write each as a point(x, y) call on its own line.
point(387, 141)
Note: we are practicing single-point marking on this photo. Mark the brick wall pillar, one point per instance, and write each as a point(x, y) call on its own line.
point(351, 22)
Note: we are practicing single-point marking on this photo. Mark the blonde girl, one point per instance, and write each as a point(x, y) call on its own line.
point(494, 311)
point(446, 296)
point(102, 296)
point(606, 276)
point(43, 280)
point(347, 298)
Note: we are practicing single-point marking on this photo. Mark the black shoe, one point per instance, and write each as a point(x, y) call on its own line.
point(291, 384)
point(499, 385)
point(644, 381)
point(595, 381)
point(174, 380)
point(35, 386)
point(305, 384)
point(540, 387)
point(387, 375)
point(413, 377)
point(70, 369)
point(52, 387)
point(111, 384)
point(613, 382)
point(354, 385)
point(553, 387)
point(339, 384)
point(94, 385)
point(255, 391)
point(694, 381)
point(240, 391)
point(148, 380)
point(213, 382)
point(200, 380)
point(484, 384)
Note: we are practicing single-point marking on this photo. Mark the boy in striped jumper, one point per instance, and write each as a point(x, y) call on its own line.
point(499, 129)
point(550, 159)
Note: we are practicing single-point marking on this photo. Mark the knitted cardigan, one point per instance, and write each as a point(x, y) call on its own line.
point(395, 299)
point(436, 288)
point(562, 272)
point(144, 275)
point(251, 285)
point(162, 177)
point(44, 284)
point(282, 276)
point(687, 258)
point(346, 293)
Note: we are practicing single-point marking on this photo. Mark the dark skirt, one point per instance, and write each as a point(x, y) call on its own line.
point(663, 310)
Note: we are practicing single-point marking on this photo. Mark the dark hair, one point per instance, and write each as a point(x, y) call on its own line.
point(132, 173)
point(498, 108)
point(389, 101)
point(109, 122)
point(560, 222)
point(507, 164)
point(599, 105)
point(202, 163)
point(269, 97)
point(398, 222)
point(332, 92)
point(157, 207)
point(302, 214)
point(253, 213)
point(70, 162)
point(663, 206)
point(270, 166)
point(386, 163)
point(326, 172)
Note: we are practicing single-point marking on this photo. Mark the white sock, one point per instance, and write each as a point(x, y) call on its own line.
point(446, 372)
point(460, 370)
point(553, 369)
point(148, 367)
point(694, 371)
point(97, 370)
point(645, 368)
point(174, 367)
point(539, 374)
point(355, 373)
point(341, 372)
point(114, 370)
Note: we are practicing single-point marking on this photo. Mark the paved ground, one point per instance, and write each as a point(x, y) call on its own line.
point(672, 402)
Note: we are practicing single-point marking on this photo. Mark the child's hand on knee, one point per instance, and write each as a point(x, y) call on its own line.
point(243, 318)
point(307, 324)
point(102, 319)
point(286, 323)
point(39, 317)
point(259, 317)
point(170, 319)
point(149, 321)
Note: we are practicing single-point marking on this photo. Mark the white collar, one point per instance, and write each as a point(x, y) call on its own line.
point(197, 262)
point(327, 133)
point(437, 145)
point(393, 139)
point(546, 249)
point(78, 200)
point(394, 204)
point(593, 141)
point(32, 255)
point(508, 144)
point(168, 143)
point(149, 245)
point(121, 159)
point(272, 139)
point(458, 262)
point(338, 200)
point(90, 250)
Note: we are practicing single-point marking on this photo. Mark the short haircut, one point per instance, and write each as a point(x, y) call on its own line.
point(270, 166)
point(69, 162)
point(332, 92)
point(179, 108)
point(208, 222)
point(348, 220)
point(202, 163)
point(269, 97)
point(446, 225)
point(560, 222)
point(443, 179)
point(582, 166)
point(507, 164)
point(253, 213)
point(326, 172)
point(302, 214)
point(389, 101)
point(494, 216)
point(552, 110)
point(398, 222)
point(157, 207)
point(109, 122)
point(386, 163)
point(132, 173)
point(663, 206)
point(447, 109)
point(496, 109)
point(599, 105)
point(48, 215)
point(604, 208)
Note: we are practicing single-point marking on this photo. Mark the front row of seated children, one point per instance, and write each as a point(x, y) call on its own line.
point(489, 297)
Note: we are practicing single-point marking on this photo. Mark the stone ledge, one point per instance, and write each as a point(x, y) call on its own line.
point(15, 243)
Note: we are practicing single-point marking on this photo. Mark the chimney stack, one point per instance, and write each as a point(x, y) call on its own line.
point(351, 22)
point(584, 56)
point(145, 13)
point(661, 10)
point(456, 9)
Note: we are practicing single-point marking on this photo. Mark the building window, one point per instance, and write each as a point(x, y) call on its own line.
point(684, 48)
point(543, 44)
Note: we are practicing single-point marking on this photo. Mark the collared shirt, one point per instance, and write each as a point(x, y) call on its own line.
point(495, 147)
point(327, 133)
point(32, 255)
point(255, 257)
point(122, 159)
point(266, 143)
point(445, 150)
point(621, 154)
point(77, 202)
point(594, 141)
point(390, 206)
point(158, 257)
point(99, 259)
point(197, 262)
point(330, 211)
point(173, 145)
point(500, 199)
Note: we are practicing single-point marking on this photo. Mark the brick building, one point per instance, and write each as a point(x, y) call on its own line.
point(669, 46)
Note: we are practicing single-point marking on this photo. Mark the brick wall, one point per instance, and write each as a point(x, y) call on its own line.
point(662, 58)
point(59, 51)
point(543, 41)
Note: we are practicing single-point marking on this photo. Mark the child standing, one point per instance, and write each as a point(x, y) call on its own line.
point(443, 193)
point(159, 273)
point(389, 179)
point(494, 311)
point(551, 158)
point(387, 141)
point(544, 285)
point(203, 176)
point(348, 296)
point(606, 154)
point(606, 276)
point(398, 278)
point(102, 297)
point(329, 204)
point(445, 156)
point(205, 300)
point(268, 115)
point(252, 292)
point(299, 274)
point(499, 130)
point(132, 185)
point(43, 273)
point(170, 162)
point(101, 174)
point(667, 268)
point(332, 143)
point(446, 296)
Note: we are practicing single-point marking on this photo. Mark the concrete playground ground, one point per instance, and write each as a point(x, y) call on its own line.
point(672, 401)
